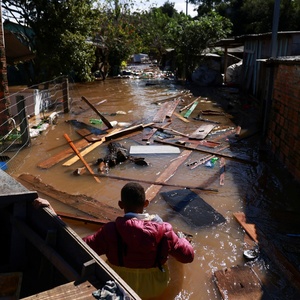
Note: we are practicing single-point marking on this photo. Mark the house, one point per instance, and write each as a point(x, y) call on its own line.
point(273, 85)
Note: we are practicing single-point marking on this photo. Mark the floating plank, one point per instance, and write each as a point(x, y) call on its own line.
point(147, 136)
point(152, 191)
point(71, 144)
point(53, 160)
point(150, 149)
point(105, 121)
point(123, 132)
point(166, 110)
point(179, 116)
point(171, 108)
point(83, 203)
point(83, 153)
point(202, 132)
point(191, 109)
point(239, 283)
point(287, 268)
point(194, 210)
point(189, 105)
point(249, 228)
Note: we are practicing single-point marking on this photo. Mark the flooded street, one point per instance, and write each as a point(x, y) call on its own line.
point(128, 101)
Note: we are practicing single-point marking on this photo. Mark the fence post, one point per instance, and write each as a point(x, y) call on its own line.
point(24, 128)
point(66, 96)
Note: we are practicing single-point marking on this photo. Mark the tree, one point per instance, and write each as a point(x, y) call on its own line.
point(191, 38)
point(60, 36)
point(115, 26)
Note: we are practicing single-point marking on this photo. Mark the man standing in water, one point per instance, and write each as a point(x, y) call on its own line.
point(137, 245)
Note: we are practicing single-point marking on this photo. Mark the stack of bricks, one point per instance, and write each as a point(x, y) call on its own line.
point(284, 126)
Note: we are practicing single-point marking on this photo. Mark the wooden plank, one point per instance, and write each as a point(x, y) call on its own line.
point(152, 191)
point(147, 136)
point(53, 160)
point(160, 116)
point(83, 203)
point(202, 132)
point(171, 107)
point(157, 183)
point(191, 109)
point(242, 160)
point(68, 291)
point(239, 283)
point(249, 228)
point(152, 149)
point(189, 105)
point(266, 245)
point(105, 121)
point(80, 156)
point(179, 116)
point(83, 153)
point(123, 132)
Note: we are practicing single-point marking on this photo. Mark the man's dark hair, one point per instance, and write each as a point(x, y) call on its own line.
point(133, 195)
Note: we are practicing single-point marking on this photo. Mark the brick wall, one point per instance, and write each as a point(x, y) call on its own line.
point(284, 127)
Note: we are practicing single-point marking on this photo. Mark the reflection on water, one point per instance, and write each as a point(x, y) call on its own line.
point(216, 247)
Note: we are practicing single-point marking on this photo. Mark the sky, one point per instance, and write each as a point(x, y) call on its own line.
point(180, 5)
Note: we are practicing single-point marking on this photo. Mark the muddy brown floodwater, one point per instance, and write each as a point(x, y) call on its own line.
point(127, 101)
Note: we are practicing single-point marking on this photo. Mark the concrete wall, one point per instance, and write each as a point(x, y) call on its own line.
point(284, 128)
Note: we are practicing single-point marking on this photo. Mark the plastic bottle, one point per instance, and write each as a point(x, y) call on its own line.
point(96, 121)
point(211, 162)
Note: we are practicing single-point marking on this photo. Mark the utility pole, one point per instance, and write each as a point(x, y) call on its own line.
point(276, 14)
point(4, 102)
point(186, 10)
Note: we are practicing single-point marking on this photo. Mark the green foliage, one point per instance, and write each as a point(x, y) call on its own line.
point(116, 28)
point(60, 32)
point(253, 16)
point(191, 38)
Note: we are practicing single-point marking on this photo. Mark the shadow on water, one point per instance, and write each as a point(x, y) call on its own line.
point(271, 204)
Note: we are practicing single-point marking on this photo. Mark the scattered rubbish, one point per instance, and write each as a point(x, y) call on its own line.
point(211, 162)
point(251, 253)
point(152, 149)
point(53, 118)
point(96, 121)
point(3, 165)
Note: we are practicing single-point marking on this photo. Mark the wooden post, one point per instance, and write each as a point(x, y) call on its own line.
point(4, 100)
point(24, 127)
point(66, 95)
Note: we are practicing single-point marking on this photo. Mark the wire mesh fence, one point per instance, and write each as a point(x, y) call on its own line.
point(41, 104)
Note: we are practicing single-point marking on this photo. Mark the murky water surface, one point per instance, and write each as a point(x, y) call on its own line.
point(216, 247)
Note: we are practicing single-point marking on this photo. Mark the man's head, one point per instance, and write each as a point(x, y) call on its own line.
point(133, 198)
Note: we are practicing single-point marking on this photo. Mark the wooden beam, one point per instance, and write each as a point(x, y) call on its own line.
point(105, 121)
point(166, 176)
point(80, 156)
point(88, 205)
point(83, 153)
point(53, 160)
point(242, 160)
